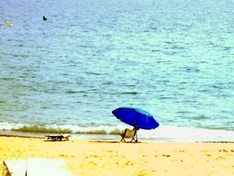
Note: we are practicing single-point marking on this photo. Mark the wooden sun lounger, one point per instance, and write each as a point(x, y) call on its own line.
point(129, 134)
point(60, 137)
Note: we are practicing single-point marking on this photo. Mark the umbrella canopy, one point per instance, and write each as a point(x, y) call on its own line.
point(136, 117)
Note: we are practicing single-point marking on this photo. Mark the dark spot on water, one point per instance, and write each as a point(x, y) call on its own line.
point(201, 117)
point(70, 91)
point(130, 93)
point(75, 91)
point(108, 83)
point(93, 73)
point(191, 69)
point(6, 79)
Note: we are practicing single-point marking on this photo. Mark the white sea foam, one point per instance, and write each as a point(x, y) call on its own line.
point(162, 133)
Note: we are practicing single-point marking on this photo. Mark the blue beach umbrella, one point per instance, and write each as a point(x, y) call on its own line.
point(136, 117)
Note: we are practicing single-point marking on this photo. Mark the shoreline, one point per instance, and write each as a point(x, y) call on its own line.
point(161, 134)
point(102, 157)
point(8, 133)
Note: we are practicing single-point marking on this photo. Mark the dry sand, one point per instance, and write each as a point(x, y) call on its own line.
point(104, 158)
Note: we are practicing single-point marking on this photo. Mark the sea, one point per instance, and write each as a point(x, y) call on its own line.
point(66, 65)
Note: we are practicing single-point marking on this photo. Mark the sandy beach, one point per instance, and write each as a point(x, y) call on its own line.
point(91, 157)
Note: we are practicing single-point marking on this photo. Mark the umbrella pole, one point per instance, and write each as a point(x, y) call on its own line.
point(136, 137)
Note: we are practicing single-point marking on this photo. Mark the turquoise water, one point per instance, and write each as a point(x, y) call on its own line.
point(171, 58)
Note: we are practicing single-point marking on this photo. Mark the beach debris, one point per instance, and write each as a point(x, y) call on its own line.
point(44, 18)
point(165, 155)
point(61, 137)
point(8, 23)
point(29, 166)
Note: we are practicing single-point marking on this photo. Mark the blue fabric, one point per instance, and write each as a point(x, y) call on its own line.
point(136, 117)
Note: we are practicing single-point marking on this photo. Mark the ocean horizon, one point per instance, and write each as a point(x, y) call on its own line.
point(68, 72)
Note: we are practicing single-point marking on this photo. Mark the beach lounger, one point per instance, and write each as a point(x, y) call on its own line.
point(128, 133)
point(60, 137)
